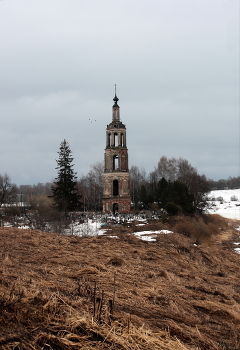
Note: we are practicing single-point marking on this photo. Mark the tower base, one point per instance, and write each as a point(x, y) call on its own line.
point(116, 205)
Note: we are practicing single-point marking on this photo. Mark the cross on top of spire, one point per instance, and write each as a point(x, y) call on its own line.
point(115, 98)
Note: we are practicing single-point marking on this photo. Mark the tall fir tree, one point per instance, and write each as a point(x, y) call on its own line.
point(64, 189)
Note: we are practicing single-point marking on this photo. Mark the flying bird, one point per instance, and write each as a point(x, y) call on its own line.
point(91, 120)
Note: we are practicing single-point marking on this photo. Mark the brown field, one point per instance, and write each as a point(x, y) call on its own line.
point(66, 292)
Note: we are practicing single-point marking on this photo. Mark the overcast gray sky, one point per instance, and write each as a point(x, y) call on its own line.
point(175, 63)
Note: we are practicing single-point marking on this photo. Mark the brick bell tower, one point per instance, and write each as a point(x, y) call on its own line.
point(116, 184)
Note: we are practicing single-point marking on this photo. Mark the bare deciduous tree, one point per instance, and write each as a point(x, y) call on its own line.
point(8, 190)
point(185, 172)
point(167, 168)
point(137, 179)
point(196, 184)
point(91, 187)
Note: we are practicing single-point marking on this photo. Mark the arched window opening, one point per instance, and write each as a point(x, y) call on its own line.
point(122, 138)
point(115, 208)
point(115, 162)
point(115, 187)
point(108, 140)
point(115, 141)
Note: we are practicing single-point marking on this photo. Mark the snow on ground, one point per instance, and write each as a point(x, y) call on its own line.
point(150, 236)
point(93, 228)
point(89, 228)
point(225, 203)
point(238, 248)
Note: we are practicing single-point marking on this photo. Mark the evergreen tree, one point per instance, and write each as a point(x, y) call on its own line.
point(175, 196)
point(178, 193)
point(143, 197)
point(162, 192)
point(64, 189)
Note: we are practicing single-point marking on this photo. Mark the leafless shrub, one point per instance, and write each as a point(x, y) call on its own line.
point(219, 221)
point(201, 228)
point(186, 228)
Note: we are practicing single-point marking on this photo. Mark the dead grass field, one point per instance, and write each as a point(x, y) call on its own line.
point(67, 292)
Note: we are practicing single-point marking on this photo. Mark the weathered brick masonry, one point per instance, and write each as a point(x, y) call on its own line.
point(116, 185)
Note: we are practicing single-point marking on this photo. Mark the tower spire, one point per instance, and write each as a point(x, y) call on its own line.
point(115, 97)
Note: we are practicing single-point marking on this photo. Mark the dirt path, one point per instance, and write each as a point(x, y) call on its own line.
point(231, 233)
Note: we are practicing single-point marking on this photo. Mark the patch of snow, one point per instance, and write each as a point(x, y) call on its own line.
point(150, 235)
point(89, 228)
point(148, 238)
point(7, 224)
point(225, 207)
point(165, 231)
point(102, 231)
point(237, 250)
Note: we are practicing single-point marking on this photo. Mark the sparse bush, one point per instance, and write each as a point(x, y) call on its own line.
point(186, 228)
point(202, 231)
point(220, 222)
point(201, 228)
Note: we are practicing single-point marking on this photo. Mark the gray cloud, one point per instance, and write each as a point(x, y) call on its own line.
point(176, 65)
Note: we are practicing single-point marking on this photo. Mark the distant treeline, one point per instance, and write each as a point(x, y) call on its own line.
point(229, 184)
point(93, 181)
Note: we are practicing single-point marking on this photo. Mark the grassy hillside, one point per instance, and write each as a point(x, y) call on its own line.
point(67, 292)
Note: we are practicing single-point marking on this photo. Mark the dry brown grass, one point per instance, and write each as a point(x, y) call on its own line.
point(59, 292)
point(202, 229)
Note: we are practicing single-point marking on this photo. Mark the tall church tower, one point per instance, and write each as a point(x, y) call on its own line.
point(116, 184)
